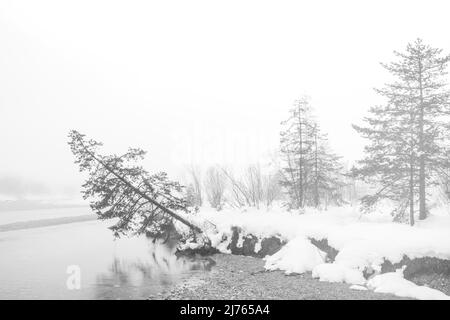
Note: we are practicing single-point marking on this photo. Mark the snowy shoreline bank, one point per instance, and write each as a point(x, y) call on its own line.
point(362, 245)
point(237, 277)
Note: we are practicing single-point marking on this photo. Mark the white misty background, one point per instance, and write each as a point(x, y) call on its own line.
point(195, 82)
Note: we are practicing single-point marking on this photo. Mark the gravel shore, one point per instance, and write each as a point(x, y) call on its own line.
point(239, 277)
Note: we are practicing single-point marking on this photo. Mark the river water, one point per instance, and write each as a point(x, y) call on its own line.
point(82, 260)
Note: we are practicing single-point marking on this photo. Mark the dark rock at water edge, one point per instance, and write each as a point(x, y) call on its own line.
point(269, 245)
point(323, 245)
point(418, 266)
point(201, 251)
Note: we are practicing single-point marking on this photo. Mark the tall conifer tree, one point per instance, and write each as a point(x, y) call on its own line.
point(409, 134)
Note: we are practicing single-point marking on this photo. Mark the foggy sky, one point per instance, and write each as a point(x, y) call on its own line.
point(192, 82)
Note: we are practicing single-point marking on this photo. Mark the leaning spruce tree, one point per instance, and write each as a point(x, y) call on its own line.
point(118, 187)
point(408, 135)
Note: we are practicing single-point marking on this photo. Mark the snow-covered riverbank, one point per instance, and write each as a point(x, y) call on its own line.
point(363, 242)
point(238, 277)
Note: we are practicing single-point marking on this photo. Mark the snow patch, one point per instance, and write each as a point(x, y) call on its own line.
point(335, 272)
point(258, 245)
point(297, 256)
point(394, 283)
point(240, 241)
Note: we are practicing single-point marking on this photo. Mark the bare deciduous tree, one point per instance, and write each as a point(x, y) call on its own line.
point(253, 188)
point(215, 187)
point(238, 193)
point(271, 188)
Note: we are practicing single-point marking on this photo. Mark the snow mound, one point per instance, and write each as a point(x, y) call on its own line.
point(394, 283)
point(297, 256)
point(335, 272)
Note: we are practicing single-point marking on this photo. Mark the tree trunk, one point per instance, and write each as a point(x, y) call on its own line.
point(422, 193)
point(411, 191)
point(291, 171)
point(411, 170)
point(316, 184)
point(300, 161)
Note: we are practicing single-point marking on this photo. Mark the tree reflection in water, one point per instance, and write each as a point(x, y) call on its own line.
point(149, 273)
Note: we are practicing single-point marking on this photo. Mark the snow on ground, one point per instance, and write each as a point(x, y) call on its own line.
point(335, 272)
point(363, 241)
point(297, 256)
point(394, 283)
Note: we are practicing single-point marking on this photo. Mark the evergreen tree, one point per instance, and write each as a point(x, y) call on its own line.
point(295, 148)
point(311, 174)
point(408, 135)
point(191, 199)
point(326, 177)
point(119, 188)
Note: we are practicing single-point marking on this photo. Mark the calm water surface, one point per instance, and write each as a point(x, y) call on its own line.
point(34, 264)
